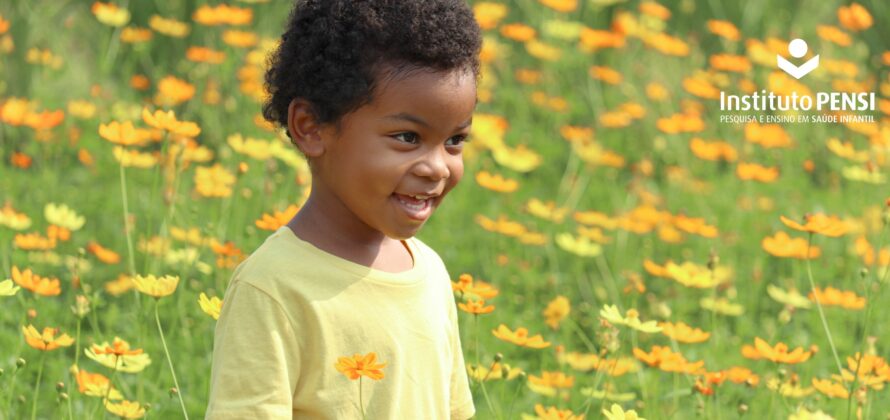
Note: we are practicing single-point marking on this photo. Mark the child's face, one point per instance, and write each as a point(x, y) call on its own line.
point(407, 142)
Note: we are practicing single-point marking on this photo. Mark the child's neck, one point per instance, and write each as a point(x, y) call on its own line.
point(347, 237)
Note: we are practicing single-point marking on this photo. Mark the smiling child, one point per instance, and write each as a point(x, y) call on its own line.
point(379, 97)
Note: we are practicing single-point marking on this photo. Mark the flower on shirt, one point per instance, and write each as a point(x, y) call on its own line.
point(357, 365)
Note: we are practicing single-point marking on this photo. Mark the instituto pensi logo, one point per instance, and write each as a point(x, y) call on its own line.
point(797, 48)
point(834, 107)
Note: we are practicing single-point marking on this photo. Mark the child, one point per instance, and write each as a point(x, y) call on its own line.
point(379, 96)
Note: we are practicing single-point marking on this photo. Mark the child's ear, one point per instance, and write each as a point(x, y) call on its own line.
point(304, 129)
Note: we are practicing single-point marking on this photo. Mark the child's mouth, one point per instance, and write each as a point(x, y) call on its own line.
point(416, 209)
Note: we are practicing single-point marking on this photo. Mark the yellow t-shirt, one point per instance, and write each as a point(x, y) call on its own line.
point(291, 310)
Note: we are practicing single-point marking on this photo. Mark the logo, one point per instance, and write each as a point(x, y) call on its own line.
point(797, 48)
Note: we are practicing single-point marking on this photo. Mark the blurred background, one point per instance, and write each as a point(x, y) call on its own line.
point(604, 201)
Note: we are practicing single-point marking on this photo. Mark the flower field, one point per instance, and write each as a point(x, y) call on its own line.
point(620, 247)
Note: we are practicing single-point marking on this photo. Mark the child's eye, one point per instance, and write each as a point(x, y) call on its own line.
point(407, 137)
point(463, 138)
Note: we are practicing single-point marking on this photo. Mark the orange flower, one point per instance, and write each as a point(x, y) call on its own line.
point(474, 287)
point(729, 62)
point(783, 246)
point(680, 123)
point(655, 10)
point(854, 17)
point(683, 333)
point(754, 172)
point(167, 121)
point(834, 297)
point(834, 34)
point(777, 354)
point(95, 385)
point(713, 151)
point(20, 160)
point(665, 359)
point(277, 219)
point(118, 348)
point(103, 254)
point(564, 6)
point(518, 32)
point(476, 307)
point(358, 366)
point(557, 310)
point(47, 340)
point(595, 39)
point(606, 74)
point(496, 182)
point(42, 286)
point(173, 91)
point(124, 134)
point(241, 39)
point(520, 337)
point(830, 388)
point(205, 55)
point(819, 223)
point(724, 29)
point(554, 413)
point(222, 15)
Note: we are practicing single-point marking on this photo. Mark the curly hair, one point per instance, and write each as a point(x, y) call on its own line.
point(333, 53)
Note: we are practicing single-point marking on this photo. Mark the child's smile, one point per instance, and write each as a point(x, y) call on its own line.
point(391, 162)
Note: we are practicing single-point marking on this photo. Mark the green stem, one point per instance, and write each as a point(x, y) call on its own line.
point(37, 387)
point(108, 391)
point(482, 382)
point(11, 390)
point(837, 359)
point(361, 405)
point(169, 360)
point(518, 388)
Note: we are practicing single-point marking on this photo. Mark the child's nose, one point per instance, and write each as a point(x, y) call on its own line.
point(434, 164)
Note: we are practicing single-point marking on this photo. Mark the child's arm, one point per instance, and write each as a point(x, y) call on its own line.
point(462, 407)
point(255, 358)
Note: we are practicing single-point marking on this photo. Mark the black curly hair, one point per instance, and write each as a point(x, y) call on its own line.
point(333, 53)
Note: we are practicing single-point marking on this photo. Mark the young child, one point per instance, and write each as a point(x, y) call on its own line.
point(379, 96)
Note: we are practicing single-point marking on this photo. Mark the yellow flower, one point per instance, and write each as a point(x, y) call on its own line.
point(830, 226)
point(610, 313)
point(169, 27)
point(683, 333)
point(564, 6)
point(497, 370)
point(7, 288)
point(520, 337)
point(13, 219)
point(110, 14)
point(618, 413)
point(557, 310)
point(722, 305)
point(692, 275)
point(133, 158)
point(476, 307)
point(830, 388)
point(156, 286)
point(125, 409)
point(173, 91)
point(791, 298)
point(554, 413)
point(549, 382)
point(167, 121)
point(47, 340)
point(257, 149)
point(489, 14)
point(496, 182)
point(124, 134)
point(214, 181)
point(519, 159)
point(779, 354)
point(210, 306)
point(358, 365)
point(118, 356)
point(277, 219)
point(581, 246)
point(61, 215)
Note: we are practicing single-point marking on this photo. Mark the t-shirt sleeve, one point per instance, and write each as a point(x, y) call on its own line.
point(462, 407)
point(256, 362)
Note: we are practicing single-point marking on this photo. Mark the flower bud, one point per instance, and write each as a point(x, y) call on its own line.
point(63, 396)
point(81, 306)
point(19, 363)
point(863, 272)
point(60, 386)
point(498, 357)
point(173, 392)
point(743, 408)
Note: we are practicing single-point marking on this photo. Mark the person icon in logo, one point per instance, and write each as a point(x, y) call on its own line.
point(797, 48)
